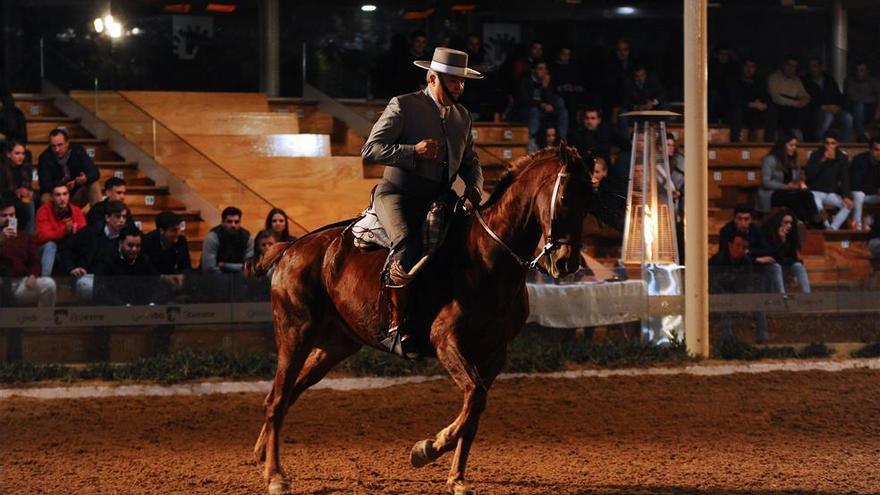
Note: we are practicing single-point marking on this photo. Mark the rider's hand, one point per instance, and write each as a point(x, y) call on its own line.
point(473, 197)
point(426, 149)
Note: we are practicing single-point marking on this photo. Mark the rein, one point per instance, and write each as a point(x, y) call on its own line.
point(552, 243)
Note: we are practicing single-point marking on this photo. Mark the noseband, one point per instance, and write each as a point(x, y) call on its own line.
point(552, 243)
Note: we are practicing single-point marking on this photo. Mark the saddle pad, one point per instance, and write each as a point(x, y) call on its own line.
point(368, 232)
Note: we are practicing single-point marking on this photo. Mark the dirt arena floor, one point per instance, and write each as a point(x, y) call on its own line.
point(780, 433)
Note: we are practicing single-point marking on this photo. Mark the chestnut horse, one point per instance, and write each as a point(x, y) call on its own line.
point(325, 293)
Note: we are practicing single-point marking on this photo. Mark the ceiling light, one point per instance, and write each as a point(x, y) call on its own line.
point(99, 25)
point(625, 10)
point(368, 8)
point(115, 29)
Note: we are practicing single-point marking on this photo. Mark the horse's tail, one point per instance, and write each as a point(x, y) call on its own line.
point(260, 267)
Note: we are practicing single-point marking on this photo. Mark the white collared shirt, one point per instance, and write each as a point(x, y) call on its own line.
point(444, 110)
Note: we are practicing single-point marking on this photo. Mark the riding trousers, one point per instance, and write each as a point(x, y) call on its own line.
point(402, 213)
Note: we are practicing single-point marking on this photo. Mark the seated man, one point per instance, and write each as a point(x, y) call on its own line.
point(114, 190)
point(732, 271)
point(227, 246)
point(19, 261)
point(828, 180)
point(760, 254)
point(641, 91)
point(57, 222)
point(63, 160)
point(826, 102)
point(747, 102)
point(537, 103)
point(594, 137)
point(863, 95)
point(93, 249)
point(790, 100)
point(865, 181)
point(166, 248)
point(128, 278)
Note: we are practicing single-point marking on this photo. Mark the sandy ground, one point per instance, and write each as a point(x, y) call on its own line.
point(778, 433)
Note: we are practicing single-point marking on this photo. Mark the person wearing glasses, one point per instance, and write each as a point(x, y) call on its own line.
point(828, 180)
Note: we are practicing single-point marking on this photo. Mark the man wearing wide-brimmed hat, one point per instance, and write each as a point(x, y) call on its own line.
point(424, 139)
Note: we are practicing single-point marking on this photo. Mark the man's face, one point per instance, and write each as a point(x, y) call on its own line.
point(232, 223)
point(875, 152)
point(600, 171)
point(742, 221)
point(737, 248)
point(749, 69)
point(474, 44)
point(5, 215)
point(61, 197)
point(59, 145)
point(816, 69)
point(641, 75)
point(170, 234)
point(540, 71)
point(592, 120)
point(789, 68)
point(536, 51)
point(116, 221)
point(130, 246)
point(266, 243)
point(16, 155)
point(116, 193)
point(454, 84)
point(622, 50)
point(830, 144)
point(862, 72)
point(564, 56)
point(419, 43)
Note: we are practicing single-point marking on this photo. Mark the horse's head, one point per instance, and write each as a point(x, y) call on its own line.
point(561, 201)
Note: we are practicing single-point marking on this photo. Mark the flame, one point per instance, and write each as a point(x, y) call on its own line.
point(650, 226)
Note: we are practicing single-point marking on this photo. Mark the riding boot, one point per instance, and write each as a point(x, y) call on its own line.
point(397, 340)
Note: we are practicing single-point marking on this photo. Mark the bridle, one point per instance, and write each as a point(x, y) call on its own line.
point(552, 243)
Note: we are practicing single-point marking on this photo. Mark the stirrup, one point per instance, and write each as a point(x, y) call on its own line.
point(395, 343)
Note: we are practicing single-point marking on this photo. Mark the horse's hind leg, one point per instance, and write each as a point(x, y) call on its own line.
point(309, 354)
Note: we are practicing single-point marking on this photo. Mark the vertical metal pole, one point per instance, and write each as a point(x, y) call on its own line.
point(42, 62)
point(304, 69)
point(839, 42)
point(696, 207)
point(271, 59)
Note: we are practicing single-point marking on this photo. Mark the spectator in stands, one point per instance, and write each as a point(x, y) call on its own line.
point(57, 222)
point(114, 190)
point(93, 249)
point(227, 246)
point(789, 98)
point(616, 70)
point(166, 248)
point(129, 277)
point(483, 99)
point(732, 271)
point(69, 161)
point(263, 242)
point(780, 232)
point(537, 104)
point(599, 174)
point(863, 94)
point(594, 137)
point(828, 180)
point(19, 262)
point(747, 102)
point(567, 79)
point(16, 177)
point(410, 78)
point(12, 122)
point(522, 66)
point(826, 102)
point(723, 70)
point(865, 180)
point(676, 171)
point(641, 91)
point(783, 182)
point(276, 224)
point(874, 240)
point(760, 253)
point(549, 138)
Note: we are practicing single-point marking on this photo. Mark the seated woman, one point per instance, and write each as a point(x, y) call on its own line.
point(783, 183)
point(276, 224)
point(781, 235)
point(16, 178)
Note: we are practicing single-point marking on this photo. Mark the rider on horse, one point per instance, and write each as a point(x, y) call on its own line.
point(424, 139)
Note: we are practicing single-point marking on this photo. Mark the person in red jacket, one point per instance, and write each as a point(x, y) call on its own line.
point(19, 264)
point(56, 222)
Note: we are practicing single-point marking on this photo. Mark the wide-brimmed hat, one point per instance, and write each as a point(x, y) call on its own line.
point(449, 61)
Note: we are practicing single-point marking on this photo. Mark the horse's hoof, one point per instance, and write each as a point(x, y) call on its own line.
point(461, 488)
point(281, 487)
point(422, 453)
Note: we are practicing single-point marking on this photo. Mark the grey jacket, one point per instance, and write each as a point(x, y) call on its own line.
point(411, 118)
point(773, 179)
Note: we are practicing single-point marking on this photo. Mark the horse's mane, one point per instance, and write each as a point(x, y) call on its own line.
point(521, 164)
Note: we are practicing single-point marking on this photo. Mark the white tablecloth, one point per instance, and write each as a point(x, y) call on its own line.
point(587, 304)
